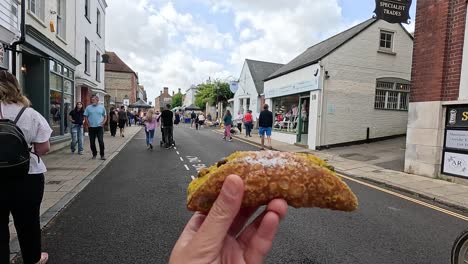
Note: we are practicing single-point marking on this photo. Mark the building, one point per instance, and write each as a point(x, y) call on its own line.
point(142, 93)
point(10, 31)
point(163, 99)
point(48, 63)
point(189, 97)
point(438, 109)
point(121, 81)
point(349, 88)
point(90, 45)
point(249, 94)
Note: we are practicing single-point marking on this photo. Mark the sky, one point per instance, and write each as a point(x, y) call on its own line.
point(181, 43)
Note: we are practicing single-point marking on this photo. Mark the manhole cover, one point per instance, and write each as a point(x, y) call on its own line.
point(54, 182)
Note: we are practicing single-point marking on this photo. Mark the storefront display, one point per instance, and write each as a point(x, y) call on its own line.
point(291, 112)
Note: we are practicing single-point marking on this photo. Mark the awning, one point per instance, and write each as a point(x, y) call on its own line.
point(140, 104)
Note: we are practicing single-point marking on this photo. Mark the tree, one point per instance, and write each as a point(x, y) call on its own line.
point(177, 100)
point(212, 93)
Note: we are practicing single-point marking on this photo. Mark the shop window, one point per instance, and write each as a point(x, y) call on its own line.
point(386, 40)
point(37, 8)
point(61, 19)
point(392, 94)
point(286, 113)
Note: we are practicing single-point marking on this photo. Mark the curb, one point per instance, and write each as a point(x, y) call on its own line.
point(53, 211)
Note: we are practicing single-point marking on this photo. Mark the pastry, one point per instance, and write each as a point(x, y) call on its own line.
point(303, 180)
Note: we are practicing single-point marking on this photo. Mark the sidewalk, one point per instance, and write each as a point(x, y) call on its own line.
point(67, 174)
point(451, 194)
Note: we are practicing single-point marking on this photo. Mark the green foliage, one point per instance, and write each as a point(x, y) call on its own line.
point(177, 100)
point(212, 93)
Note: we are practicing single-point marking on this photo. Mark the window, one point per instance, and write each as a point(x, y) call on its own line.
point(87, 56)
point(87, 7)
point(98, 23)
point(386, 40)
point(37, 8)
point(98, 66)
point(60, 98)
point(61, 25)
point(392, 95)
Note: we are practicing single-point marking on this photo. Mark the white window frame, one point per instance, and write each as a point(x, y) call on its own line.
point(98, 22)
point(98, 66)
point(388, 88)
point(87, 56)
point(37, 9)
point(392, 40)
point(61, 19)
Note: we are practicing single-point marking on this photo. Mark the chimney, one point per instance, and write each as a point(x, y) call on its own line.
point(166, 90)
point(180, 90)
point(173, 93)
point(161, 92)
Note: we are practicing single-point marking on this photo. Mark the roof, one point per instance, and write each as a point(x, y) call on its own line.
point(261, 70)
point(315, 53)
point(116, 64)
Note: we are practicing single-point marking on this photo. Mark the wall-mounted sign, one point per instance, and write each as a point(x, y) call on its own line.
point(455, 164)
point(457, 116)
point(456, 139)
point(393, 11)
point(4, 58)
point(233, 86)
point(126, 102)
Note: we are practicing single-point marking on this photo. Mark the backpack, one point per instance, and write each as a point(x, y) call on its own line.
point(14, 153)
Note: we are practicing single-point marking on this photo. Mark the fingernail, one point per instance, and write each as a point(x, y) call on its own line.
point(230, 187)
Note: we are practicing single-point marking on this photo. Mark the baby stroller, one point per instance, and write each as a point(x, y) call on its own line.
point(167, 137)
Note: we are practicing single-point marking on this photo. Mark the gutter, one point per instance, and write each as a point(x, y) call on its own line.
point(21, 40)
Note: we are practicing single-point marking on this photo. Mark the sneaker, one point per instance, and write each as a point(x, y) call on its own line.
point(148, 147)
point(151, 146)
point(80, 153)
point(44, 258)
point(230, 140)
point(72, 152)
point(103, 158)
point(94, 157)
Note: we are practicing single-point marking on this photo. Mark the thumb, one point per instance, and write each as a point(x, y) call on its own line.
point(218, 221)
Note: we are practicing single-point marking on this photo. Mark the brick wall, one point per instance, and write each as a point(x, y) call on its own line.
point(438, 50)
point(119, 84)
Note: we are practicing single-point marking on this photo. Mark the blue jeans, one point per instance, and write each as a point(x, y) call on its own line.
point(248, 128)
point(149, 136)
point(77, 137)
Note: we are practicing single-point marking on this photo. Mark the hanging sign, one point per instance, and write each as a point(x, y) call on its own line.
point(233, 86)
point(393, 11)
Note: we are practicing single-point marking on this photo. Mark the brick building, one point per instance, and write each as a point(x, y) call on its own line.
point(120, 80)
point(439, 87)
point(163, 99)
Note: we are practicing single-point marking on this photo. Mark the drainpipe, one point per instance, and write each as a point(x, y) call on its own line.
point(322, 105)
point(22, 37)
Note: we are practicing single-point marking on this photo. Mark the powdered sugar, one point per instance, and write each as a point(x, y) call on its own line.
point(268, 159)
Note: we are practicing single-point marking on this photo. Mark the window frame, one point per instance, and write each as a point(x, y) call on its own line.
point(392, 94)
point(38, 11)
point(87, 56)
point(385, 40)
point(61, 19)
point(98, 22)
point(98, 66)
point(87, 13)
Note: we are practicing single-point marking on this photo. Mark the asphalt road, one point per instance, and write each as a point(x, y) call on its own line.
point(134, 211)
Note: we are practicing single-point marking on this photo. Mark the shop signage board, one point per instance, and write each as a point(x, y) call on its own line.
point(126, 102)
point(455, 153)
point(393, 11)
point(4, 57)
point(311, 84)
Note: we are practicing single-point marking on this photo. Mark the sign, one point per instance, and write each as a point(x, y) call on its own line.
point(457, 139)
point(393, 11)
point(456, 164)
point(4, 58)
point(233, 86)
point(126, 102)
point(457, 116)
point(295, 88)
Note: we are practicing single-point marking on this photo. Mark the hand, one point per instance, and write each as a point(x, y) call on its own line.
point(220, 237)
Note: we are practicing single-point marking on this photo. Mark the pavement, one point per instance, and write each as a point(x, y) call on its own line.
point(67, 174)
point(372, 162)
point(135, 209)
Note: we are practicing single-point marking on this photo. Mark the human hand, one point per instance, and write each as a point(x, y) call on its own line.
point(220, 236)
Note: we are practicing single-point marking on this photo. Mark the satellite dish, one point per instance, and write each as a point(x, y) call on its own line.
point(233, 86)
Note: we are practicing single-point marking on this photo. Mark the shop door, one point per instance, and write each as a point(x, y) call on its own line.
point(303, 120)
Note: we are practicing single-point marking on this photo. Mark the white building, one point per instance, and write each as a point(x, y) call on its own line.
point(90, 45)
point(349, 88)
point(189, 98)
point(249, 94)
point(9, 29)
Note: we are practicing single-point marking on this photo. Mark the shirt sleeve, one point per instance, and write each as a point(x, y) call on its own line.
point(104, 113)
point(86, 112)
point(43, 130)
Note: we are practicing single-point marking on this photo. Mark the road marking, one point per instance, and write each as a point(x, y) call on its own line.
point(193, 178)
point(177, 152)
point(175, 148)
point(445, 211)
point(186, 167)
point(181, 159)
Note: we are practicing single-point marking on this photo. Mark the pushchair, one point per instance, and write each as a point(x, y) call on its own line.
point(167, 137)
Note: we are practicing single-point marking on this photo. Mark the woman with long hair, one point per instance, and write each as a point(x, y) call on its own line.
point(21, 193)
point(150, 126)
point(227, 125)
point(76, 117)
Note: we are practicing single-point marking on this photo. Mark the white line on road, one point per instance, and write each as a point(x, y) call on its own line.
point(193, 178)
point(175, 147)
point(177, 152)
point(181, 159)
point(186, 167)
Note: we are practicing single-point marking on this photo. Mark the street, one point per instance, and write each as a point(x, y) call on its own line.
point(134, 211)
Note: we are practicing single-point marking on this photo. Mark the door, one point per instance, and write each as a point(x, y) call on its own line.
point(303, 121)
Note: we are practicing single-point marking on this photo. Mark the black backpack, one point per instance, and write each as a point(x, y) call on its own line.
point(14, 153)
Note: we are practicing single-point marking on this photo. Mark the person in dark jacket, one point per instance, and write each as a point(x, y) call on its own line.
point(77, 117)
point(265, 125)
point(123, 119)
point(227, 125)
point(167, 117)
point(114, 119)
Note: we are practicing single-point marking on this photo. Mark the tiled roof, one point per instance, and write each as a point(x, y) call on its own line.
point(261, 70)
point(116, 64)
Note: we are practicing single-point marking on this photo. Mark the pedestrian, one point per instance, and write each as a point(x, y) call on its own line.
point(201, 120)
point(96, 118)
point(114, 121)
point(22, 190)
point(177, 118)
point(248, 123)
point(123, 119)
point(196, 122)
point(265, 125)
point(135, 118)
point(167, 117)
point(239, 121)
point(150, 126)
point(193, 118)
point(227, 125)
point(129, 118)
point(226, 232)
point(76, 117)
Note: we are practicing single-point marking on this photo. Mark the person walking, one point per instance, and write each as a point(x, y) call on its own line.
point(265, 125)
point(129, 118)
point(76, 117)
point(136, 118)
point(248, 123)
point(201, 120)
point(177, 118)
point(167, 117)
point(113, 120)
point(227, 125)
point(239, 121)
point(123, 119)
point(96, 118)
point(193, 118)
point(21, 191)
point(150, 126)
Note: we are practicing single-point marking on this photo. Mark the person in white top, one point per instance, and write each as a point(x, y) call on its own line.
point(21, 195)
